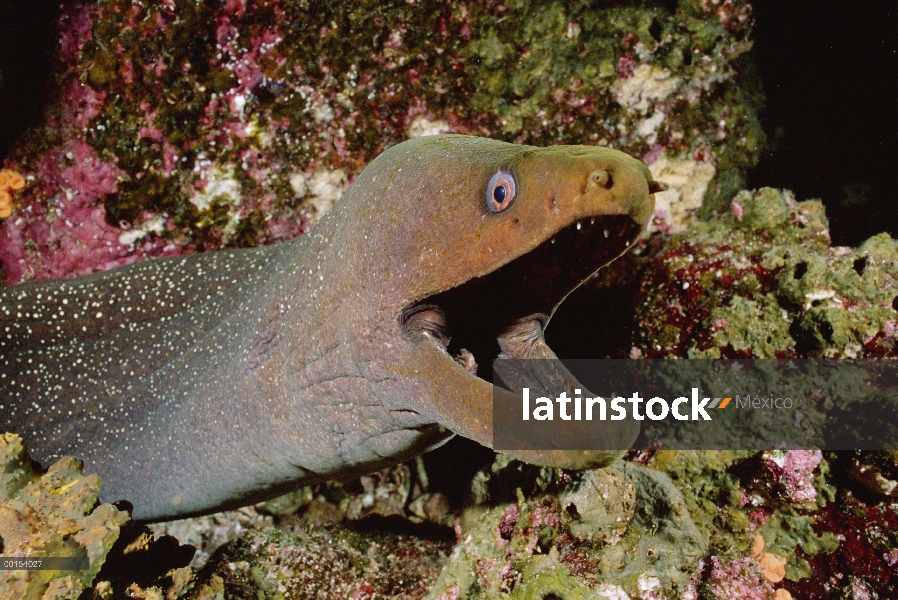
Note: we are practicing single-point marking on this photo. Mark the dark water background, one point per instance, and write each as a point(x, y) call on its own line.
point(830, 73)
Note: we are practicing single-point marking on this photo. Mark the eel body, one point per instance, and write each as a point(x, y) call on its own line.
point(205, 382)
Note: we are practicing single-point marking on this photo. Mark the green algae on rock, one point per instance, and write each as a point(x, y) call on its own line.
point(762, 281)
point(325, 562)
point(722, 493)
point(534, 532)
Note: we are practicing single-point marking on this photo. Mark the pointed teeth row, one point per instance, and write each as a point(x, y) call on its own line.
point(579, 226)
point(582, 222)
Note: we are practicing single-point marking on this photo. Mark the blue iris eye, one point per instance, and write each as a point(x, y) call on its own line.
point(501, 192)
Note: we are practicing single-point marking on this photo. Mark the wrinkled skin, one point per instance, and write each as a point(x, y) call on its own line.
point(198, 383)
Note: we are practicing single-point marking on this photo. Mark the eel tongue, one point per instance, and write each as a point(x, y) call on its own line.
point(524, 339)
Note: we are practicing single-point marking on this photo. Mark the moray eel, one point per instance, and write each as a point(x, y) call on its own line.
point(205, 382)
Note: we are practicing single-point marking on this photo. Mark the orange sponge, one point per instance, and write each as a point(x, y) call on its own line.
point(5, 204)
point(10, 181)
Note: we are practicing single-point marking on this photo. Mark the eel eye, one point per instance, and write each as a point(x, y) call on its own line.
point(500, 192)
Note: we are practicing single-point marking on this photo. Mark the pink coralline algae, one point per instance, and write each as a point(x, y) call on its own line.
point(625, 66)
point(738, 579)
point(66, 233)
point(74, 30)
point(891, 558)
point(88, 176)
point(60, 227)
point(509, 520)
point(792, 472)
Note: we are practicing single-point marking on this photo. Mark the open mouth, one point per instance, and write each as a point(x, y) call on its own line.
point(503, 314)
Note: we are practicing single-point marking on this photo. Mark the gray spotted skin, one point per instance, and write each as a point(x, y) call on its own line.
point(200, 383)
point(154, 375)
point(104, 335)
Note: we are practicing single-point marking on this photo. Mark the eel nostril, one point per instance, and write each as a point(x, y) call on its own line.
point(600, 178)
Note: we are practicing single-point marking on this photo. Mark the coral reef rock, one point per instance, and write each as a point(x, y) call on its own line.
point(763, 281)
point(303, 561)
point(185, 126)
point(531, 533)
point(56, 514)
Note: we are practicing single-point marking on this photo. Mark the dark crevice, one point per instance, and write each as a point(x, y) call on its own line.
point(594, 322)
point(451, 467)
point(829, 71)
point(28, 48)
point(656, 30)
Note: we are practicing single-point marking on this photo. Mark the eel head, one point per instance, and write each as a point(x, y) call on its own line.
point(498, 236)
